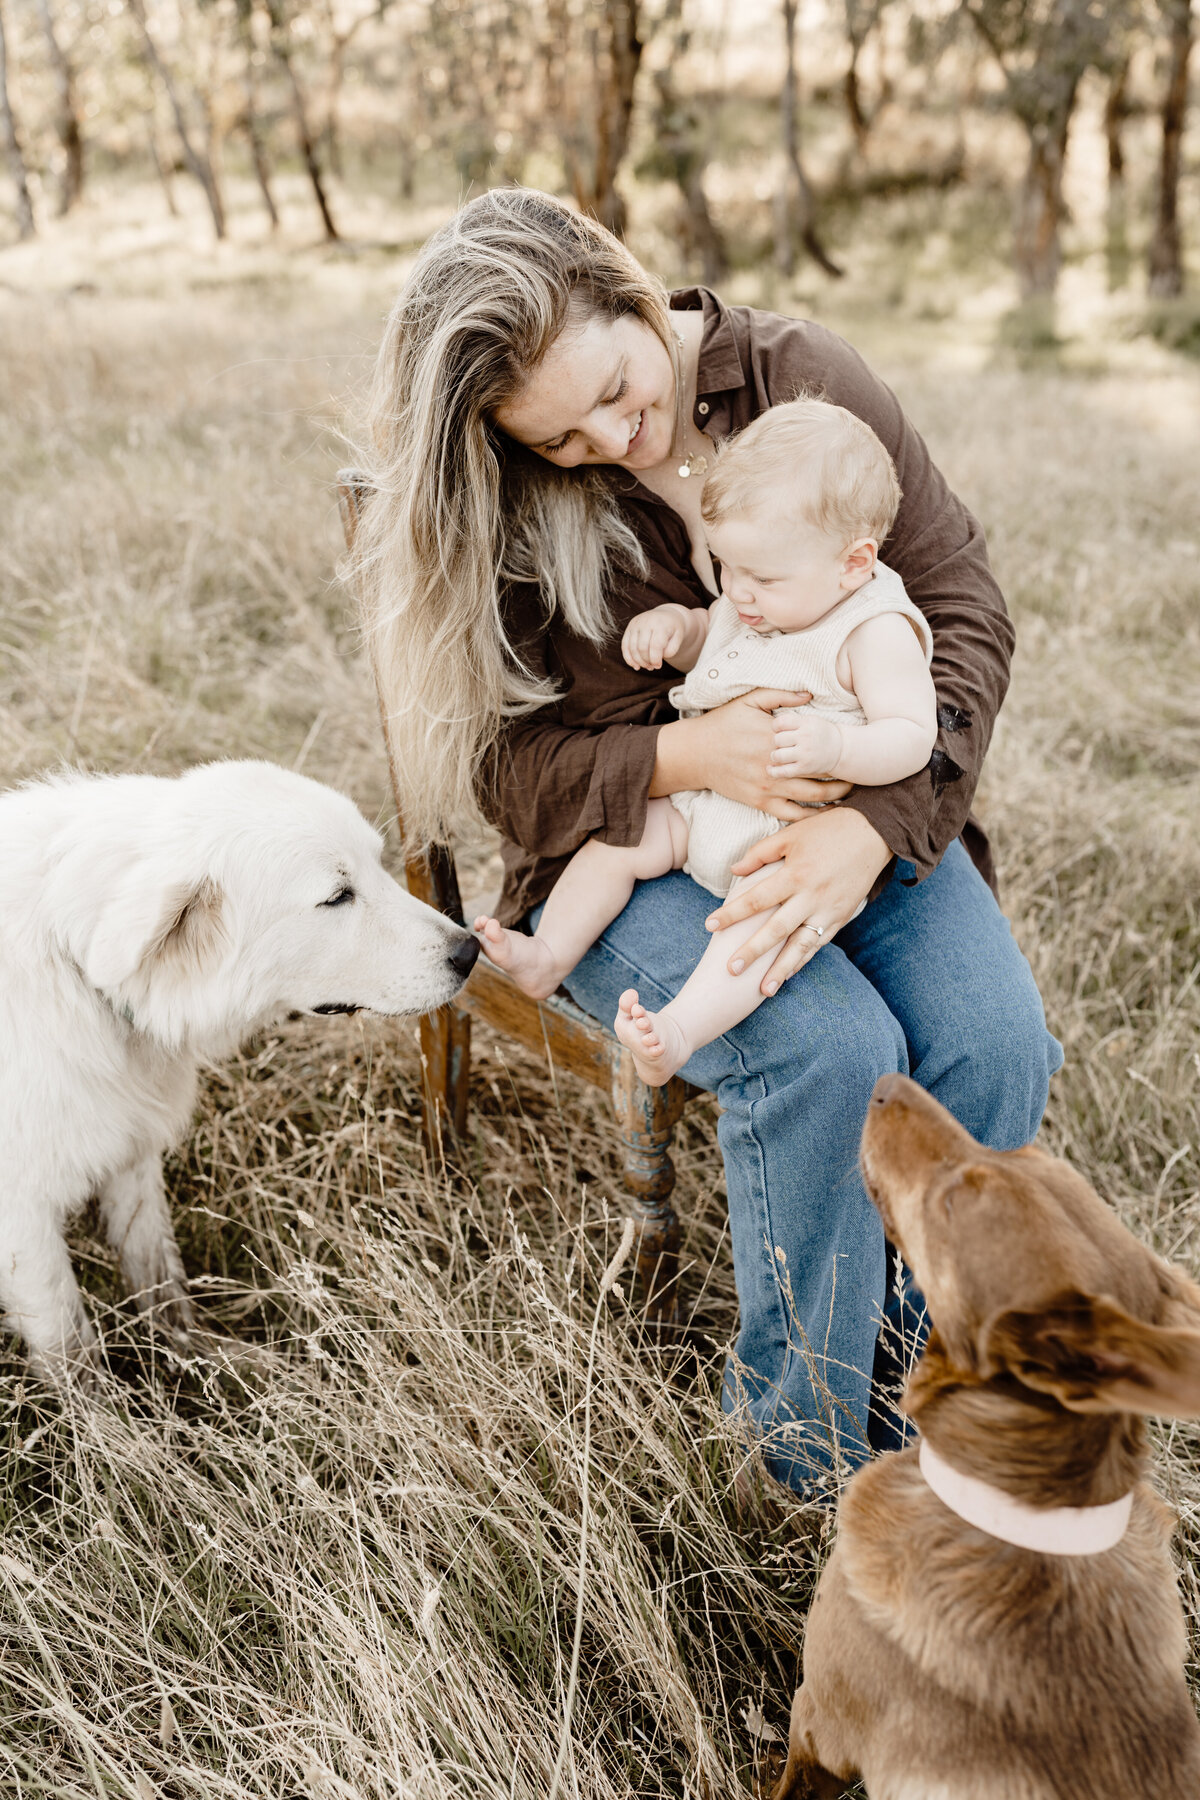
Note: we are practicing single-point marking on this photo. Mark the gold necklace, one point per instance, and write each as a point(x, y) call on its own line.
point(694, 463)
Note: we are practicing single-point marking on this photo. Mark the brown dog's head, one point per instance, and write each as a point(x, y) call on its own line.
point(1026, 1271)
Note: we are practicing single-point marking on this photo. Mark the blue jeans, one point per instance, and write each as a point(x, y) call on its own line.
point(929, 981)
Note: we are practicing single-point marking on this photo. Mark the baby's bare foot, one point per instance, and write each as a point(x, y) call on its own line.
point(658, 1045)
point(528, 960)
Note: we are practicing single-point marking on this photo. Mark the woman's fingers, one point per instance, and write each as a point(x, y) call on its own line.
point(772, 890)
point(775, 934)
point(770, 699)
point(799, 949)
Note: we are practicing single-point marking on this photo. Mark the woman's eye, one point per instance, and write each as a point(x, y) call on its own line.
point(620, 393)
point(343, 897)
point(553, 449)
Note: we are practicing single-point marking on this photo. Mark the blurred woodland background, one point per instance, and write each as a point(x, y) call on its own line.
point(767, 122)
point(341, 1556)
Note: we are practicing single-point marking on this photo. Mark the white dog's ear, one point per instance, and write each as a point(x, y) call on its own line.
point(147, 929)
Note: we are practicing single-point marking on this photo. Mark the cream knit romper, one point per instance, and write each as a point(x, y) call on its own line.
point(735, 659)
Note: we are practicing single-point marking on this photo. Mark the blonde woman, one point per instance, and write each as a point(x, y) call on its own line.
point(543, 413)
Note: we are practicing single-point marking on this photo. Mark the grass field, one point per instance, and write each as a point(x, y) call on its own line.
point(343, 1557)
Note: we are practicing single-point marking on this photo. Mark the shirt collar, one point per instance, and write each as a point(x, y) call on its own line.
point(720, 365)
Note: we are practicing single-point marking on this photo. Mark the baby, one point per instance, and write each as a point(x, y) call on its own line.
point(794, 513)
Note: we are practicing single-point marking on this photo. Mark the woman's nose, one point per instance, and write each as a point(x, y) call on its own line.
point(608, 437)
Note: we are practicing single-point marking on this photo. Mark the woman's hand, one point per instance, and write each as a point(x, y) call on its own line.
point(729, 750)
point(826, 867)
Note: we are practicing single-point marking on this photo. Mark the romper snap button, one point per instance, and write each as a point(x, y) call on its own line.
point(702, 409)
point(732, 654)
point(712, 674)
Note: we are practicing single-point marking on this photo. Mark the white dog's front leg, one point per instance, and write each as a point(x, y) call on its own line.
point(41, 1297)
point(137, 1222)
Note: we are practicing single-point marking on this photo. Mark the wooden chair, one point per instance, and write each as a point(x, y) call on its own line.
point(557, 1029)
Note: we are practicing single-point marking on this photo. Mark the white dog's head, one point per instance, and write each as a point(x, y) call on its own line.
point(240, 893)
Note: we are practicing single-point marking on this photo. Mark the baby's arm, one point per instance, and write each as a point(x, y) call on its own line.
point(667, 633)
point(888, 675)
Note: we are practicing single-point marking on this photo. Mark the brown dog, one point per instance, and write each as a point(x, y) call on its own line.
point(943, 1662)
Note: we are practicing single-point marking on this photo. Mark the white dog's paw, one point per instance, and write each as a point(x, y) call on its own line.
point(75, 1364)
point(159, 1288)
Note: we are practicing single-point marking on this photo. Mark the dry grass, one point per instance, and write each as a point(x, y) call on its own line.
point(341, 1556)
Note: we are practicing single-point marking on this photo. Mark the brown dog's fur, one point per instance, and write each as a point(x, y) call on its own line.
point(940, 1663)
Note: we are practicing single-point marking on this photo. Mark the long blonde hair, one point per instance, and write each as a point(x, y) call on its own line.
point(460, 511)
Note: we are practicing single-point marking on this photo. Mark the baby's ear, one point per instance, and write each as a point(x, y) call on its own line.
point(858, 559)
point(150, 927)
point(1093, 1356)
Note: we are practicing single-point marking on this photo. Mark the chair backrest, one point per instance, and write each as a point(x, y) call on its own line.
point(433, 877)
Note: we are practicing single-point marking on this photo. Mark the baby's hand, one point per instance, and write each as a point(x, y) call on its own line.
point(653, 637)
point(806, 746)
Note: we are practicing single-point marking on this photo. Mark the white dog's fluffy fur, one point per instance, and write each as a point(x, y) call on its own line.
point(146, 923)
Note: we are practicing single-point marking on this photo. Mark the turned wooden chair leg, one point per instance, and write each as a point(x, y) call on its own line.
point(446, 1054)
point(646, 1119)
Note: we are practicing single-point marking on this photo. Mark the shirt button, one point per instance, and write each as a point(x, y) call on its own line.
point(702, 409)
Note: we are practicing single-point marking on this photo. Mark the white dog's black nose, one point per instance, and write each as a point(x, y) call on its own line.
point(463, 955)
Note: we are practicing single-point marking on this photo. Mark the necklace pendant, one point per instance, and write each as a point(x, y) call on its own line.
point(685, 469)
point(693, 465)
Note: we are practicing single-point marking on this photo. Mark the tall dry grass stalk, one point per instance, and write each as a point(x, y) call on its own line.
point(342, 1554)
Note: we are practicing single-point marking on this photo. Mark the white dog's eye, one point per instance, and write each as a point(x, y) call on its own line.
point(343, 897)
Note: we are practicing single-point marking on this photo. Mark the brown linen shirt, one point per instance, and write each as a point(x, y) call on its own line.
point(581, 766)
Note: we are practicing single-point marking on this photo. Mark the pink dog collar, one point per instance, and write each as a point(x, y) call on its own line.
point(1054, 1530)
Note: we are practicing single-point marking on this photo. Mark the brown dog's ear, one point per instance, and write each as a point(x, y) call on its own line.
point(1095, 1357)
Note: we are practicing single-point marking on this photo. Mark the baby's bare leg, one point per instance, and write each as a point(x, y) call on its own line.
point(593, 888)
point(710, 1002)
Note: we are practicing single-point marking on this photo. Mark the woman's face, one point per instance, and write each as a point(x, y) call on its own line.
point(603, 393)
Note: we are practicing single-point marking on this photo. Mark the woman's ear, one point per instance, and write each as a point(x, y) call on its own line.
point(149, 926)
point(1093, 1356)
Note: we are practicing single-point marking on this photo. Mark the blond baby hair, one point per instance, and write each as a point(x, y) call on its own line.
point(816, 461)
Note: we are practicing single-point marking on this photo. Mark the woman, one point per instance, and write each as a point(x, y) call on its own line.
point(542, 417)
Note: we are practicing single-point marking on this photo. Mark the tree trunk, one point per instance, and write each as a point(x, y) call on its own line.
point(619, 61)
point(308, 150)
point(797, 207)
point(196, 159)
point(1037, 245)
point(12, 143)
point(1166, 249)
point(1116, 111)
point(681, 137)
point(860, 125)
point(67, 120)
point(254, 137)
point(161, 167)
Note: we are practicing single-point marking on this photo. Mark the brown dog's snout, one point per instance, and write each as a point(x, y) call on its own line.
point(887, 1088)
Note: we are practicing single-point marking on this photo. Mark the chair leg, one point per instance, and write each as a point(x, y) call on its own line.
point(646, 1119)
point(446, 1056)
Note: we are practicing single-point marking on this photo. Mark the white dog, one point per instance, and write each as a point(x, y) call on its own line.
point(146, 923)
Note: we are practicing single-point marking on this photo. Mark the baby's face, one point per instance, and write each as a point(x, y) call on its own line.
point(784, 576)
